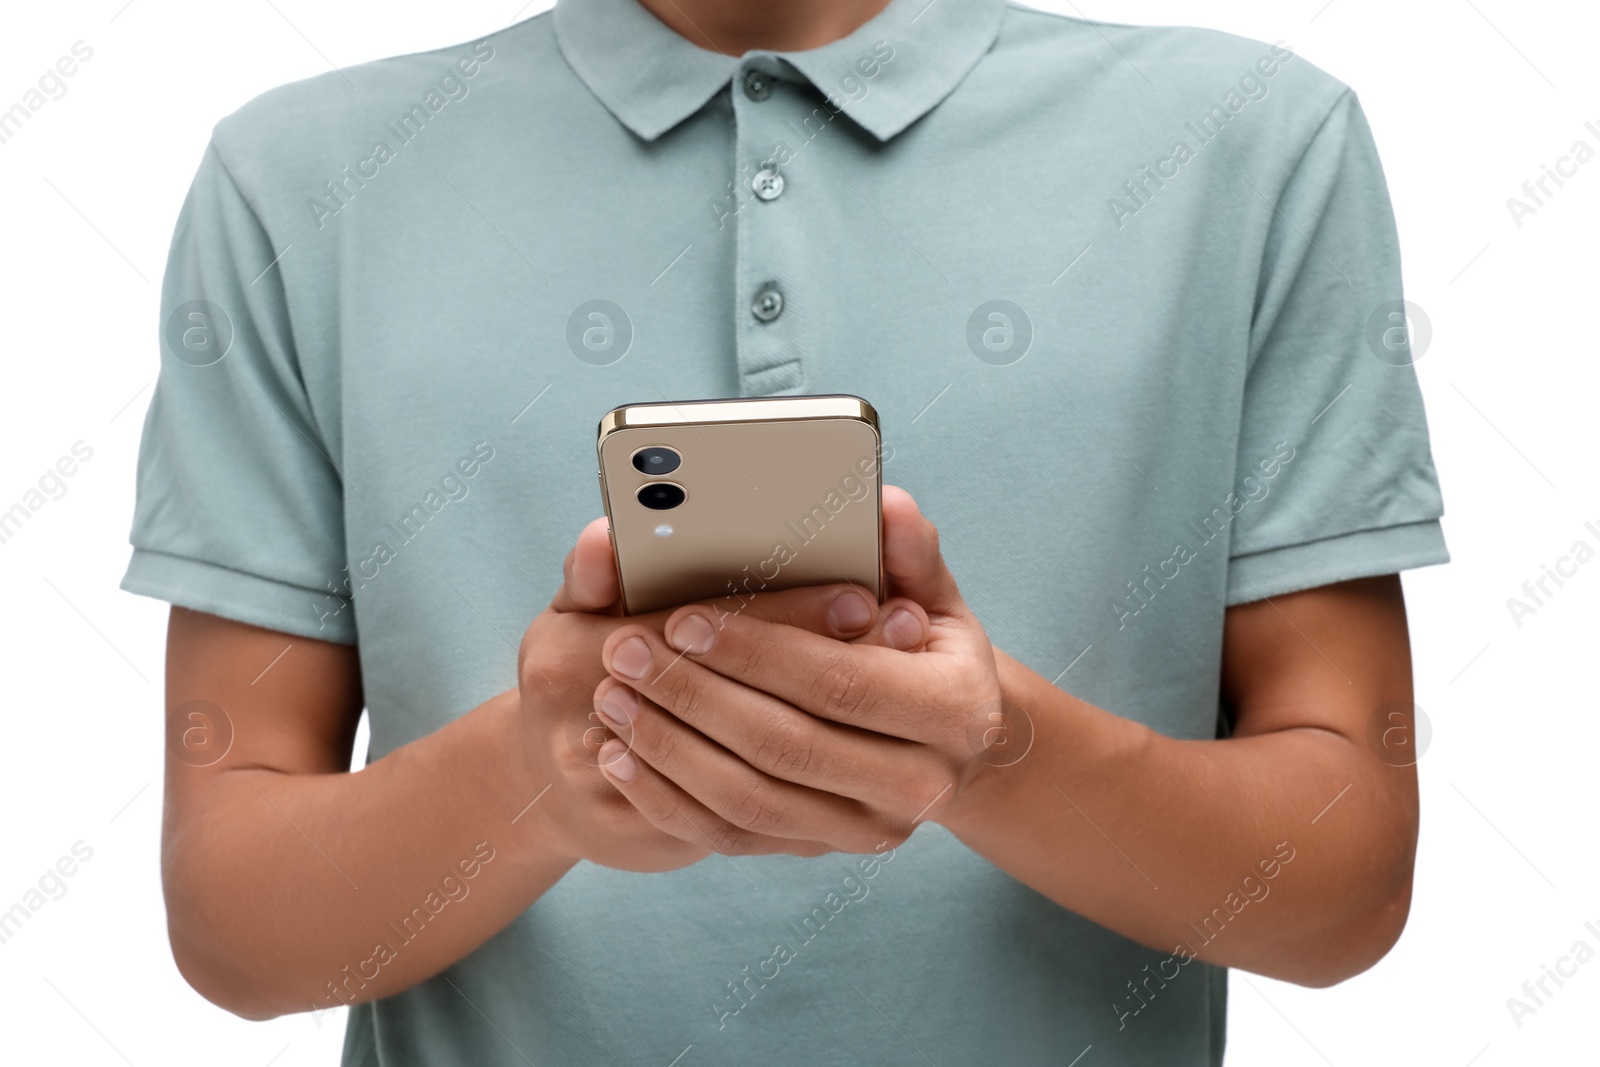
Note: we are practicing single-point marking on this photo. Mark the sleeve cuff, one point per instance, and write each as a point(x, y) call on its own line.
point(242, 597)
point(1363, 554)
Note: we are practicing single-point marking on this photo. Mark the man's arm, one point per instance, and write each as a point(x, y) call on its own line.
point(283, 871)
point(1149, 836)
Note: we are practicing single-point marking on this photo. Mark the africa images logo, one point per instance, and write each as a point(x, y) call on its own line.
point(1252, 85)
point(1253, 487)
point(451, 87)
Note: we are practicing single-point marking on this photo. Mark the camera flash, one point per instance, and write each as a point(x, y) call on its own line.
point(664, 530)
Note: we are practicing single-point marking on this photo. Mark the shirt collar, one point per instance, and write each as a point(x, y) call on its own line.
point(651, 79)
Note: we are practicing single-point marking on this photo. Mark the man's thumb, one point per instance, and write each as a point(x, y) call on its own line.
point(911, 556)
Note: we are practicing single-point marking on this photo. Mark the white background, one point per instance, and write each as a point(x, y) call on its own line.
point(1468, 99)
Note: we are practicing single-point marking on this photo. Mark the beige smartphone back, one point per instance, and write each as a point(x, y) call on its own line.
point(722, 499)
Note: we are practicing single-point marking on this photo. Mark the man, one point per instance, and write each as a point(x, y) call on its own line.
point(1125, 301)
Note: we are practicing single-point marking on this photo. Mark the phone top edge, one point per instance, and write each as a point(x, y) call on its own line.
point(752, 409)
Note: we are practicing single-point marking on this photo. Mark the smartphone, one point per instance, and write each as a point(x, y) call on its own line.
point(713, 500)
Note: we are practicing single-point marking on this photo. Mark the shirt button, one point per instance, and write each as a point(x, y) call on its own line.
point(756, 85)
point(768, 183)
point(768, 304)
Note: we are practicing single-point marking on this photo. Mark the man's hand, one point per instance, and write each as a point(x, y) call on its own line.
point(779, 731)
point(562, 740)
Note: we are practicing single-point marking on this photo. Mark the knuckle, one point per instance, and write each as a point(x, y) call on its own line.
point(786, 751)
point(954, 731)
point(537, 625)
point(556, 649)
point(752, 655)
point(651, 813)
point(954, 709)
point(680, 691)
point(534, 640)
point(671, 819)
point(525, 677)
point(622, 814)
point(754, 808)
point(661, 747)
point(975, 687)
point(844, 691)
point(730, 840)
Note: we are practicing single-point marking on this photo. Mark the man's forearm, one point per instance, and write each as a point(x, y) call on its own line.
point(1155, 838)
point(311, 891)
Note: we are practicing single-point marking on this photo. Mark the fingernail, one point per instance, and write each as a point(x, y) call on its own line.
point(693, 633)
point(903, 629)
point(617, 761)
point(631, 658)
point(850, 612)
point(620, 703)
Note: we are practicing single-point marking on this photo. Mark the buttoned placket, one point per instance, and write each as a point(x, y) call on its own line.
point(770, 298)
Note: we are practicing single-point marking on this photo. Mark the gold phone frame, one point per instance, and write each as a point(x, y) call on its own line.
point(793, 444)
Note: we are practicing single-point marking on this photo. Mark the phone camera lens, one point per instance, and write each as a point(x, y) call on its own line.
point(661, 496)
point(656, 460)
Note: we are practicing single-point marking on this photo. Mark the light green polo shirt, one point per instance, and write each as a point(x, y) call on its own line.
point(1124, 299)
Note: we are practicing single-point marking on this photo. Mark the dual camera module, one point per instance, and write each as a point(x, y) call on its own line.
point(654, 462)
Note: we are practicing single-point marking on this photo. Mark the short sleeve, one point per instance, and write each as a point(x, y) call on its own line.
point(1335, 479)
point(240, 503)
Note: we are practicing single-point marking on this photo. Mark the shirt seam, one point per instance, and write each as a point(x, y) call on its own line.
point(205, 596)
point(200, 561)
point(1295, 171)
point(1357, 532)
point(308, 410)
